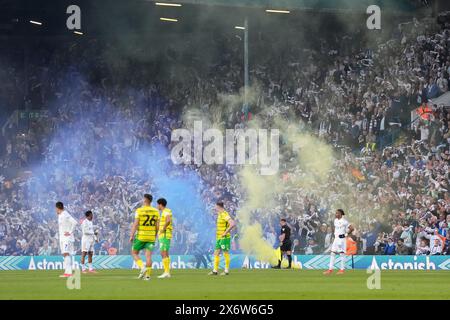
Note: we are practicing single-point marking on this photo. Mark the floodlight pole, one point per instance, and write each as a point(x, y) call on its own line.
point(246, 77)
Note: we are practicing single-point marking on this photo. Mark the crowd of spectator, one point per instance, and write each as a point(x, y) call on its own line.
point(392, 171)
point(362, 100)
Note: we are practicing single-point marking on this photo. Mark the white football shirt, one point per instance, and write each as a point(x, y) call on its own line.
point(66, 223)
point(87, 228)
point(340, 226)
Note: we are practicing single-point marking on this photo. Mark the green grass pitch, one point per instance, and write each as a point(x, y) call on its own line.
point(240, 284)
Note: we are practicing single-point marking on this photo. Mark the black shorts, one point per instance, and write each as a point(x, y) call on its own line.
point(286, 246)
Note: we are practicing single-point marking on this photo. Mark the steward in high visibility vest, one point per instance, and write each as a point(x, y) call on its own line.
point(352, 247)
point(371, 146)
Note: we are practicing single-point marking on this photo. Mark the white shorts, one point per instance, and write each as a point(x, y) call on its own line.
point(339, 245)
point(87, 244)
point(66, 246)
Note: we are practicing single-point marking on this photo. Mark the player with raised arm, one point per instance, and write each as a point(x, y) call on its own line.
point(223, 239)
point(146, 224)
point(66, 226)
point(87, 242)
point(341, 227)
point(165, 235)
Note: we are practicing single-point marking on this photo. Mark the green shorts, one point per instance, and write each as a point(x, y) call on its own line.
point(164, 244)
point(223, 244)
point(139, 245)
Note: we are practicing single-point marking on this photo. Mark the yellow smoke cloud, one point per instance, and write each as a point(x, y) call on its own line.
point(314, 157)
point(252, 243)
point(260, 193)
point(309, 162)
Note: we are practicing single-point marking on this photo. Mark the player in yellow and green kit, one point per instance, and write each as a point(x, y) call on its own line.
point(223, 239)
point(165, 235)
point(146, 223)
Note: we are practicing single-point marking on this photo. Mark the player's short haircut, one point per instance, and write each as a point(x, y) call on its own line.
point(148, 197)
point(162, 201)
point(341, 211)
point(60, 205)
point(220, 204)
point(283, 219)
point(88, 213)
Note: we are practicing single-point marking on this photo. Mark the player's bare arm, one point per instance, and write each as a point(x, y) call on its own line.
point(231, 225)
point(350, 230)
point(133, 229)
point(157, 228)
point(168, 220)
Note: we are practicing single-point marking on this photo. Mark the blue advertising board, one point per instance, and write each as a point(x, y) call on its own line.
point(313, 262)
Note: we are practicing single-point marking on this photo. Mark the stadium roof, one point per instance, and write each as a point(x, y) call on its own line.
point(337, 5)
point(108, 17)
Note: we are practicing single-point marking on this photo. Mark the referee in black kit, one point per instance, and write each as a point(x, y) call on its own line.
point(285, 243)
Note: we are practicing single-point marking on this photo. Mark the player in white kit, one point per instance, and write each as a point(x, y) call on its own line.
point(339, 244)
point(66, 224)
point(87, 241)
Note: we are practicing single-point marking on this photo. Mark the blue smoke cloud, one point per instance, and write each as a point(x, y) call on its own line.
point(182, 188)
point(95, 159)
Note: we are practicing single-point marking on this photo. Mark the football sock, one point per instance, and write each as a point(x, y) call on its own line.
point(67, 265)
point(332, 258)
point(289, 259)
point(140, 264)
point(216, 263)
point(342, 261)
point(166, 263)
point(148, 272)
point(226, 255)
point(90, 266)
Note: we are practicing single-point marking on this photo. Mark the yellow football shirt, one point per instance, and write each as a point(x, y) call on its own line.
point(222, 224)
point(168, 233)
point(148, 218)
